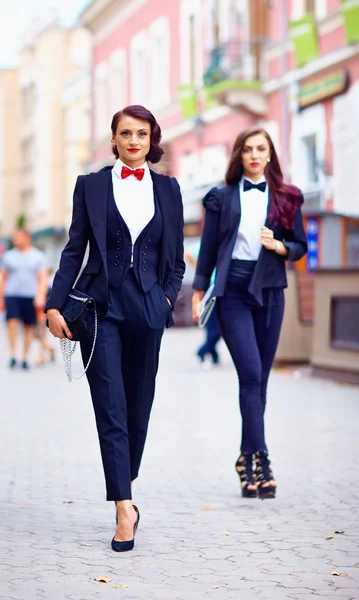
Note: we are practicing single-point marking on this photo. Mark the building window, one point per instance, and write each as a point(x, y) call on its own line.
point(190, 43)
point(117, 82)
point(101, 109)
point(311, 158)
point(139, 53)
point(160, 63)
point(308, 145)
point(301, 8)
point(353, 243)
point(344, 313)
point(213, 164)
point(189, 168)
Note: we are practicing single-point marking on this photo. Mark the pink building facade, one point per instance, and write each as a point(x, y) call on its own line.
point(173, 57)
point(210, 68)
point(312, 89)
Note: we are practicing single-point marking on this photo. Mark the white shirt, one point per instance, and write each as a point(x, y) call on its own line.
point(134, 199)
point(254, 204)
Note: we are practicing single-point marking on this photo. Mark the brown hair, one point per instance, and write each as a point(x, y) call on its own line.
point(140, 112)
point(286, 198)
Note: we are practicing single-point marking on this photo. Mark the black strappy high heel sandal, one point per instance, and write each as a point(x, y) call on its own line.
point(244, 468)
point(129, 545)
point(264, 476)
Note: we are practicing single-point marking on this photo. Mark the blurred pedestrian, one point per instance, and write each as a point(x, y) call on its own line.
point(133, 219)
point(207, 353)
point(23, 289)
point(253, 226)
point(46, 350)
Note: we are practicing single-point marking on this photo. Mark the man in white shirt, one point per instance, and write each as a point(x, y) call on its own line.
point(23, 289)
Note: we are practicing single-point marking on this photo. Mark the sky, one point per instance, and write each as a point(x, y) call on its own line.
point(17, 16)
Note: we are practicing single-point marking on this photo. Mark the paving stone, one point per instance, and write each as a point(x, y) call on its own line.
point(198, 539)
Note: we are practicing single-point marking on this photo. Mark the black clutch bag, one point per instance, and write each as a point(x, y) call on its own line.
point(80, 315)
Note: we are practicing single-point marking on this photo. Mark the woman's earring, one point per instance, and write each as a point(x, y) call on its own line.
point(268, 160)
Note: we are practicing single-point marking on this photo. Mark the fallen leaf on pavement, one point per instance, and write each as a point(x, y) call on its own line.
point(227, 533)
point(103, 579)
point(329, 537)
point(262, 542)
point(86, 545)
point(132, 572)
point(120, 587)
point(216, 587)
point(338, 531)
point(67, 502)
point(207, 509)
point(337, 574)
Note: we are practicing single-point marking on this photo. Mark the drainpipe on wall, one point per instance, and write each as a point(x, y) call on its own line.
point(285, 117)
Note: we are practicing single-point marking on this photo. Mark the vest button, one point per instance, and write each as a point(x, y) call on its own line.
point(143, 269)
point(118, 256)
point(118, 247)
point(116, 263)
point(145, 247)
point(118, 233)
point(143, 253)
point(143, 262)
point(148, 239)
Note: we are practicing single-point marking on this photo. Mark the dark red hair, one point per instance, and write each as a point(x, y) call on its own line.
point(140, 112)
point(286, 198)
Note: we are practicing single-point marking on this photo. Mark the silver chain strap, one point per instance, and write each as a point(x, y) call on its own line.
point(68, 349)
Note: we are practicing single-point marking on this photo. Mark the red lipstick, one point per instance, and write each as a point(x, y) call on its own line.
point(133, 150)
point(254, 164)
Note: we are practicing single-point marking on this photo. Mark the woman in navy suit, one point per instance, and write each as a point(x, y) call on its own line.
point(253, 226)
point(132, 219)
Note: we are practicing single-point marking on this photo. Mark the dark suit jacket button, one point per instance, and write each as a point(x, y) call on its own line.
point(143, 262)
point(149, 239)
point(118, 233)
point(118, 247)
point(118, 256)
point(116, 263)
point(143, 253)
point(143, 269)
point(145, 247)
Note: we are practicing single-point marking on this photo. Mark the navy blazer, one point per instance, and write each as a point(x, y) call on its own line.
point(223, 215)
point(89, 224)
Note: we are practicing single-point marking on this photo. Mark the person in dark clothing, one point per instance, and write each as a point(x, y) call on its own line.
point(132, 218)
point(207, 352)
point(253, 225)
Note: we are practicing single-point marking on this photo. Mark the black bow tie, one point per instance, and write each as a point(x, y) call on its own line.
point(248, 185)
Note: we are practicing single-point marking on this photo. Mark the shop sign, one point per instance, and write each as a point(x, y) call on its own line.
point(313, 243)
point(188, 101)
point(304, 37)
point(350, 10)
point(319, 89)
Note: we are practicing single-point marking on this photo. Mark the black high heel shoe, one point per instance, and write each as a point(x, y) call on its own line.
point(264, 475)
point(244, 468)
point(125, 546)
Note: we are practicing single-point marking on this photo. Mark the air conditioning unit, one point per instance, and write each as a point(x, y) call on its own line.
point(313, 201)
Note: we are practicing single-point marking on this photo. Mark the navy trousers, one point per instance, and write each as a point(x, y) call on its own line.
point(252, 340)
point(122, 377)
point(213, 335)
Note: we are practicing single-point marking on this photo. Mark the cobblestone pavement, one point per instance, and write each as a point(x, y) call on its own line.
point(198, 539)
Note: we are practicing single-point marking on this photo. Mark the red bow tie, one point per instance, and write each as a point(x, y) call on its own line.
point(138, 173)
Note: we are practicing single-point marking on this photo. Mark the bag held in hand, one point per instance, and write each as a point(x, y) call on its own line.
point(208, 303)
point(80, 315)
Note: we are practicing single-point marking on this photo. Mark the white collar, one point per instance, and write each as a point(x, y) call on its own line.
point(117, 168)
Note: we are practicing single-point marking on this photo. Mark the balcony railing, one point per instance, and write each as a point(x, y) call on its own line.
point(235, 61)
